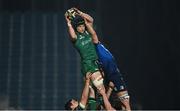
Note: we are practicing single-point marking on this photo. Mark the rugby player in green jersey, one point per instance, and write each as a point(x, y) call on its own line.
point(82, 41)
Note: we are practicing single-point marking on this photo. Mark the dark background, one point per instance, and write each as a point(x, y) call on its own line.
point(143, 35)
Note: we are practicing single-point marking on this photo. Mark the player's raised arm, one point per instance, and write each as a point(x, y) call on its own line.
point(110, 89)
point(85, 16)
point(105, 100)
point(85, 93)
point(71, 31)
point(92, 32)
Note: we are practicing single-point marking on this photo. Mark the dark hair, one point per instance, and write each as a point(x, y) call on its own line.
point(68, 105)
point(78, 20)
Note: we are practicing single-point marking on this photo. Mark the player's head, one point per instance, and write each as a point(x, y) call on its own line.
point(78, 24)
point(72, 104)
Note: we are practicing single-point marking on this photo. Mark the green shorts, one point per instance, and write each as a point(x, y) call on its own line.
point(89, 66)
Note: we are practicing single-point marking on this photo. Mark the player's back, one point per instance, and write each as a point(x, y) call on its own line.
point(106, 59)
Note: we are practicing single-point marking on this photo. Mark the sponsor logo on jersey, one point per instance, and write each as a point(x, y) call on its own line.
point(81, 37)
point(86, 42)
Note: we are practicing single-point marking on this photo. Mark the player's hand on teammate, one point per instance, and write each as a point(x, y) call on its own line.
point(101, 90)
point(88, 76)
point(111, 85)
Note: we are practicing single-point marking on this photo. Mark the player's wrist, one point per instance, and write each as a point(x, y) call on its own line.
point(102, 93)
point(80, 13)
point(69, 24)
point(87, 81)
point(111, 87)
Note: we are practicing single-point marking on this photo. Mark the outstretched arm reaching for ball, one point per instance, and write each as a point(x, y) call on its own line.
point(71, 31)
point(92, 32)
point(89, 19)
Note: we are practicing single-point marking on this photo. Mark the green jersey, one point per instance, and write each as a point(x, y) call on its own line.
point(87, 51)
point(85, 46)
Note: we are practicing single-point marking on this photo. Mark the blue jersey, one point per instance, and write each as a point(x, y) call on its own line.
point(106, 59)
point(110, 67)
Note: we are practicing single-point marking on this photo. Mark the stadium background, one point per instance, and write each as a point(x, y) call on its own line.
point(40, 69)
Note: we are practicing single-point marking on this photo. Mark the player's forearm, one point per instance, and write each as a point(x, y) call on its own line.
point(85, 93)
point(71, 31)
point(92, 32)
point(90, 29)
point(107, 103)
point(88, 17)
point(109, 91)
